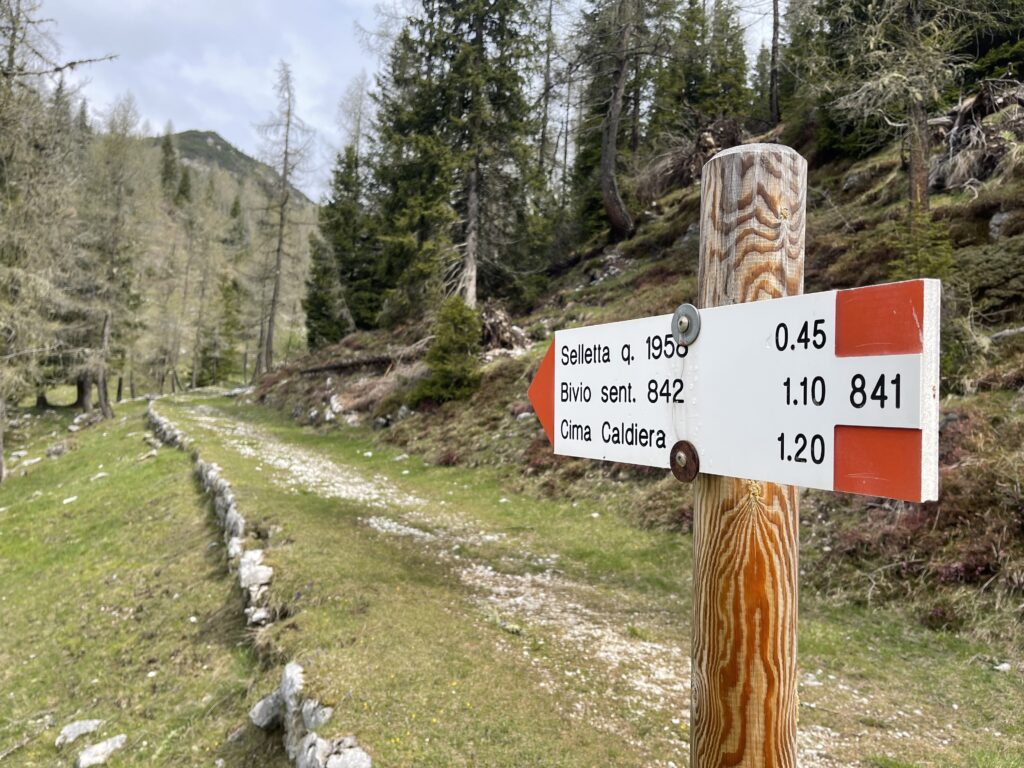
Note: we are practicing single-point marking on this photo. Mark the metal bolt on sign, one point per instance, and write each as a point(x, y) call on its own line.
point(685, 324)
point(685, 463)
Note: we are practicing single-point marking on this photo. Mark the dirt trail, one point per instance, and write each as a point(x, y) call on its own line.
point(592, 653)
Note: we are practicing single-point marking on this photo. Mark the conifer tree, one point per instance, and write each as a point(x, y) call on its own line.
point(287, 142)
point(761, 88)
point(343, 226)
point(411, 168)
point(725, 92)
point(452, 159)
point(681, 81)
point(168, 164)
point(183, 195)
point(327, 318)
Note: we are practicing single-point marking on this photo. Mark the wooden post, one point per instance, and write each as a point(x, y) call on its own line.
point(746, 534)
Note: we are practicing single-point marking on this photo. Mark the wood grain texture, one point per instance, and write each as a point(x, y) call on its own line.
point(746, 533)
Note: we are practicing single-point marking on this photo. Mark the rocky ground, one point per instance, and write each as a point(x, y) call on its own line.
point(602, 639)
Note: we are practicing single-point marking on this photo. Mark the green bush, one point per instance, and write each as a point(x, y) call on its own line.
point(923, 249)
point(453, 358)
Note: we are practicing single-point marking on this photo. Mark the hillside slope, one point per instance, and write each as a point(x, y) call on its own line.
point(959, 563)
point(208, 149)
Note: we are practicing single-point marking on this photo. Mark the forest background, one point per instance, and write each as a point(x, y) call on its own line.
point(500, 143)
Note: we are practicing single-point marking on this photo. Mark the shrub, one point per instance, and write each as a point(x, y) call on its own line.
point(453, 357)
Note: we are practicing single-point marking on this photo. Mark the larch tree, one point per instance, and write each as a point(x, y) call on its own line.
point(287, 143)
point(355, 112)
point(106, 286)
point(39, 178)
point(891, 62)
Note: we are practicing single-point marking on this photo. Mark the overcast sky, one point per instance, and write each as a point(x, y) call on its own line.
point(209, 64)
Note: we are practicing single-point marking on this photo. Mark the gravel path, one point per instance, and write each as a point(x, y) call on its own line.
point(593, 653)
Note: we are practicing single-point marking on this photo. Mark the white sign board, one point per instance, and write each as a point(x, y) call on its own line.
point(835, 390)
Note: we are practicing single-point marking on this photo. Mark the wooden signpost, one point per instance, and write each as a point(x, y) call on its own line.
point(834, 390)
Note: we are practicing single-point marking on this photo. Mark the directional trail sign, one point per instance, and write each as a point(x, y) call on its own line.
point(836, 390)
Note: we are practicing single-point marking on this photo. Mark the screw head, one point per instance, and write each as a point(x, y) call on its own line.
point(684, 461)
point(684, 323)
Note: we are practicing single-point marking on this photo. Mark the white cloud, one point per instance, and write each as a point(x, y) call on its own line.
point(210, 65)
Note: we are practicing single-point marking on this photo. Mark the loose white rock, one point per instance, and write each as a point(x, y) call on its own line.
point(266, 712)
point(350, 758)
point(72, 731)
point(70, 499)
point(315, 715)
point(98, 754)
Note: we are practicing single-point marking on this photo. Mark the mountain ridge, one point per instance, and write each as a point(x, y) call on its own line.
point(209, 148)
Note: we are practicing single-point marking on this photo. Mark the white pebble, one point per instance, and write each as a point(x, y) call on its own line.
point(70, 499)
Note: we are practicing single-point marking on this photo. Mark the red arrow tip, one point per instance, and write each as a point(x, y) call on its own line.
point(542, 393)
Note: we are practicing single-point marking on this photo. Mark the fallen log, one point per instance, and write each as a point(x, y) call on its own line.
point(379, 360)
point(1009, 332)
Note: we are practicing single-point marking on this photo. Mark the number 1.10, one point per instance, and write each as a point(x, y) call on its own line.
point(806, 391)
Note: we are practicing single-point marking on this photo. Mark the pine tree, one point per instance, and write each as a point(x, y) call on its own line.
point(452, 161)
point(761, 88)
point(343, 225)
point(327, 318)
point(681, 81)
point(168, 164)
point(453, 356)
point(725, 92)
point(183, 195)
point(411, 169)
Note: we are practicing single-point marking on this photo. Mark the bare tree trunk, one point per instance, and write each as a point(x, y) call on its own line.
point(175, 382)
point(619, 220)
point(41, 401)
point(131, 385)
point(102, 389)
point(257, 366)
point(176, 348)
point(917, 135)
point(471, 257)
point(199, 322)
point(3, 430)
point(773, 78)
point(549, 45)
point(245, 363)
point(634, 136)
point(275, 296)
point(120, 387)
point(565, 143)
point(83, 385)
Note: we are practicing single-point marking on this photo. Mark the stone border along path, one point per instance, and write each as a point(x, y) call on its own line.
point(285, 707)
point(657, 675)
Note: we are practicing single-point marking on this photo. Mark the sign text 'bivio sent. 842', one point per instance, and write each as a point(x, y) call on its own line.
point(836, 390)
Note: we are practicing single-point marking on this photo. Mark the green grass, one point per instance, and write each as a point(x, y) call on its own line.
point(369, 607)
point(389, 635)
point(99, 593)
